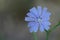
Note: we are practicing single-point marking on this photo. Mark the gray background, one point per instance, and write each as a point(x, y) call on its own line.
point(13, 26)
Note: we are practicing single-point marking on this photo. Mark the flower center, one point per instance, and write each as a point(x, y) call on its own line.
point(39, 20)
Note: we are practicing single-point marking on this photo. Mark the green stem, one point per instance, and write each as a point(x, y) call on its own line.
point(49, 31)
point(34, 35)
point(47, 34)
point(54, 27)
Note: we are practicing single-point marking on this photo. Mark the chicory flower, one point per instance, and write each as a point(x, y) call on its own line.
point(38, 18)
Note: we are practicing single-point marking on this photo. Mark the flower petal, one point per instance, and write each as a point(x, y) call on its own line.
point(46, 15)
point(31, 15)
point(44, 11)
point(34, 11)
point(41, 28)
point(33, 26)
point(45, 23)
point(46, 27)
point(39, 9)
point(29, 19)
point(46, 18)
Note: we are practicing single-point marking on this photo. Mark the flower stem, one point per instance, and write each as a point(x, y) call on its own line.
point(47, 34)
point(54, 27)
point(49, 31)
point(34, 35)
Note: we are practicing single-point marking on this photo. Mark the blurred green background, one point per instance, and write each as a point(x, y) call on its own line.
point(13, 26)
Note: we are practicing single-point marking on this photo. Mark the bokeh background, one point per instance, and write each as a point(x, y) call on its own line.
point(13, 26)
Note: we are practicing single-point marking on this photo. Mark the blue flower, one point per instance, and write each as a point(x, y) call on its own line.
point(38, 18)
